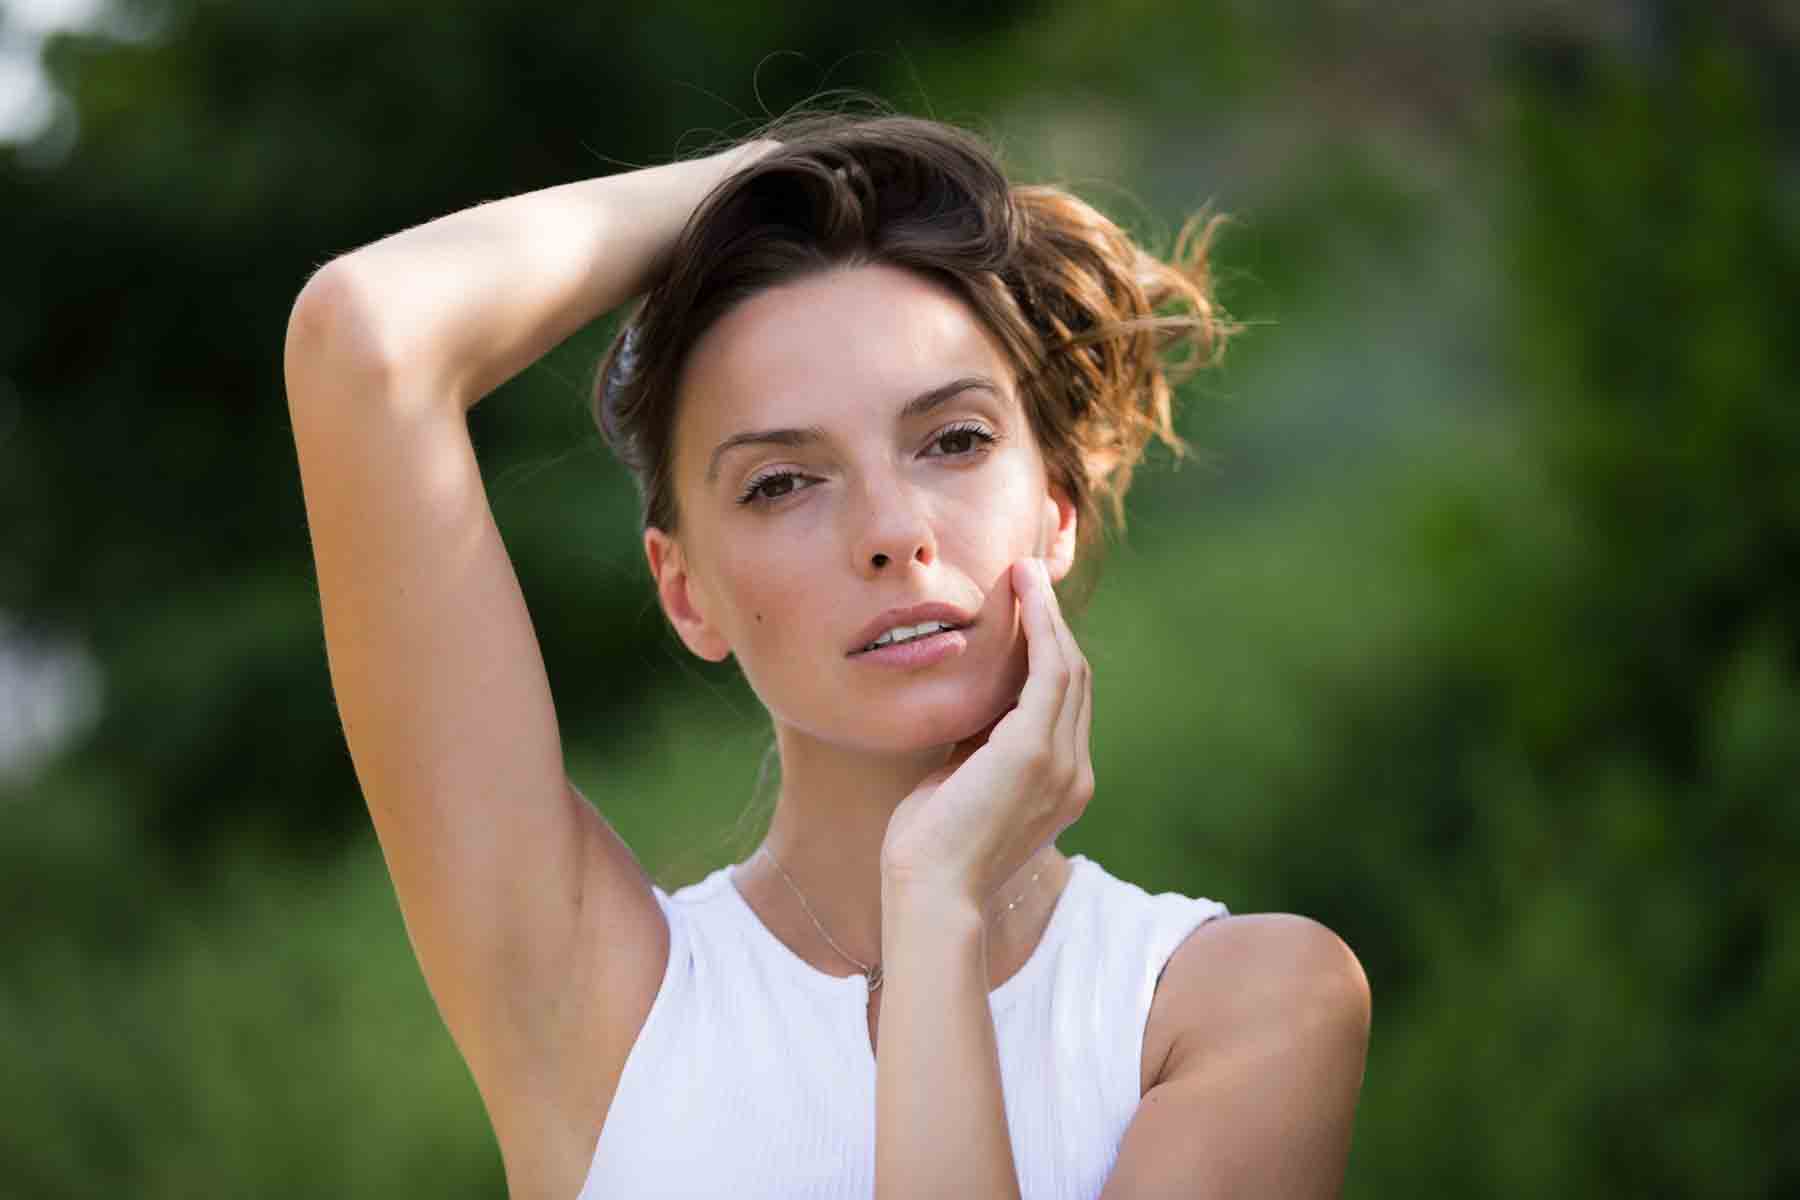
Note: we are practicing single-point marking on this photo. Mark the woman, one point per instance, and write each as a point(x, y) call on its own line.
point(874, 397)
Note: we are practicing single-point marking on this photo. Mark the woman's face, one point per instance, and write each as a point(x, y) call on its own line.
point(826, 475)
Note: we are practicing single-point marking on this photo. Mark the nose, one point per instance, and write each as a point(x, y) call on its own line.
point(892, 525)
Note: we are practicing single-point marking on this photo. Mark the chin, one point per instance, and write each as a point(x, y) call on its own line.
point(929, 723)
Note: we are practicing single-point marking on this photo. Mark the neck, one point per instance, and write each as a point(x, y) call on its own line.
point(829, 824)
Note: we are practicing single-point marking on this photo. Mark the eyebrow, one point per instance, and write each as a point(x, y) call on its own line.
point(923, 403)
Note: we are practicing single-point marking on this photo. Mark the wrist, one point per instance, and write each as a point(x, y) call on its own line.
point(905, 895)
point(917, 920)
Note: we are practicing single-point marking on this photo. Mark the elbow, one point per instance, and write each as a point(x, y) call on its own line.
point(333, 334)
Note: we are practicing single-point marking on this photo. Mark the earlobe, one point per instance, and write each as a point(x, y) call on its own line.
point(676, 591)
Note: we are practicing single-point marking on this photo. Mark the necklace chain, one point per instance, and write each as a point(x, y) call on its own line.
point(872, 970)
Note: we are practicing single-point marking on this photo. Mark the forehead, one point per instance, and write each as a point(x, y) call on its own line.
point(850, 343)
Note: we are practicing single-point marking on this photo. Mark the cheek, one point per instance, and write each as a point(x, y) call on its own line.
point(768, 606)
point(996, 527)
point(780, 622)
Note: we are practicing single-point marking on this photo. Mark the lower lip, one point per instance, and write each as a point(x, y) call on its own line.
point(920, 652)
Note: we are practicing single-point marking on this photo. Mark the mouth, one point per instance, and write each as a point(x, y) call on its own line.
point(918, 650)
point(907, 636)
point(903, 626)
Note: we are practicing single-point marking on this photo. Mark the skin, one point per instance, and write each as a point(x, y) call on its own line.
point(1248, 1089)
point(914, 802)
point(785, 585)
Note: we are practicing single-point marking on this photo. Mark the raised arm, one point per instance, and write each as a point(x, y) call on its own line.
point(524, 907)
point(469, 300)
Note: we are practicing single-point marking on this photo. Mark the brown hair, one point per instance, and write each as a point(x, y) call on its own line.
point(1067, 294)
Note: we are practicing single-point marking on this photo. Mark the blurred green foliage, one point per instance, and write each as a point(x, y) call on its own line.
point(1478, 639)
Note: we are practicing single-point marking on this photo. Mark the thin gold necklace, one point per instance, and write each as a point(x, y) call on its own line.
point(872, 971)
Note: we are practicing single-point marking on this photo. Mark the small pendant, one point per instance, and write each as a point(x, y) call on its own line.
point(875, 977)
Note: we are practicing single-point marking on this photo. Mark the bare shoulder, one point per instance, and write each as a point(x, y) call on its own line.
point(1240, 982)
point(1269, 1021)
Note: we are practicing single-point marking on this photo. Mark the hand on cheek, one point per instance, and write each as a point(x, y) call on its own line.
point(1013, 788)
point(1018, 653)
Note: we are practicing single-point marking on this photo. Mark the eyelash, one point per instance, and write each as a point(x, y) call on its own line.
point(984, 439)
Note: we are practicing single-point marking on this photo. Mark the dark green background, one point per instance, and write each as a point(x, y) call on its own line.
point(1476, 637)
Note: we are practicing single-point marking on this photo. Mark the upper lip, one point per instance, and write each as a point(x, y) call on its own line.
point(918, 614)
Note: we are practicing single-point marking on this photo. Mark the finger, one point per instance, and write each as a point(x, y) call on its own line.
point(1084, 746)
point(1047, 676)
point(1080, 767)
point(1070, 741)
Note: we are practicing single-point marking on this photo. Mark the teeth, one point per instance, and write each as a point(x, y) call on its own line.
point(906, 633)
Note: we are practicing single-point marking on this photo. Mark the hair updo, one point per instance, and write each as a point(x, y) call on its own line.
point(1069, 297)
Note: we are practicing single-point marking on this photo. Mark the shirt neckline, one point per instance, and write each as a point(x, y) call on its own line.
point(858, 984)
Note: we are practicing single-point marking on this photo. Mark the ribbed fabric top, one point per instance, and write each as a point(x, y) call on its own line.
point(752, 1076)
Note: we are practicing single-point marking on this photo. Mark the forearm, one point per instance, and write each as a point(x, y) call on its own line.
point(940, 1115)
point(472, 298)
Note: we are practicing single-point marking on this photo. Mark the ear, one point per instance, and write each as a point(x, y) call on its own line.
point(1057, 539)
point(683, 600)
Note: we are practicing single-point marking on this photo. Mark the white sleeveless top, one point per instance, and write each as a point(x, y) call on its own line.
point(753, 1078)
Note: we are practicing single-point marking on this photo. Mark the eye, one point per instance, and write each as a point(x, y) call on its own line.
point(774, 485)
point(969, 434)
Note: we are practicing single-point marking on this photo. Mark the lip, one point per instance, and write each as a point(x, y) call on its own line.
point(927, 651)
point(918, 614)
